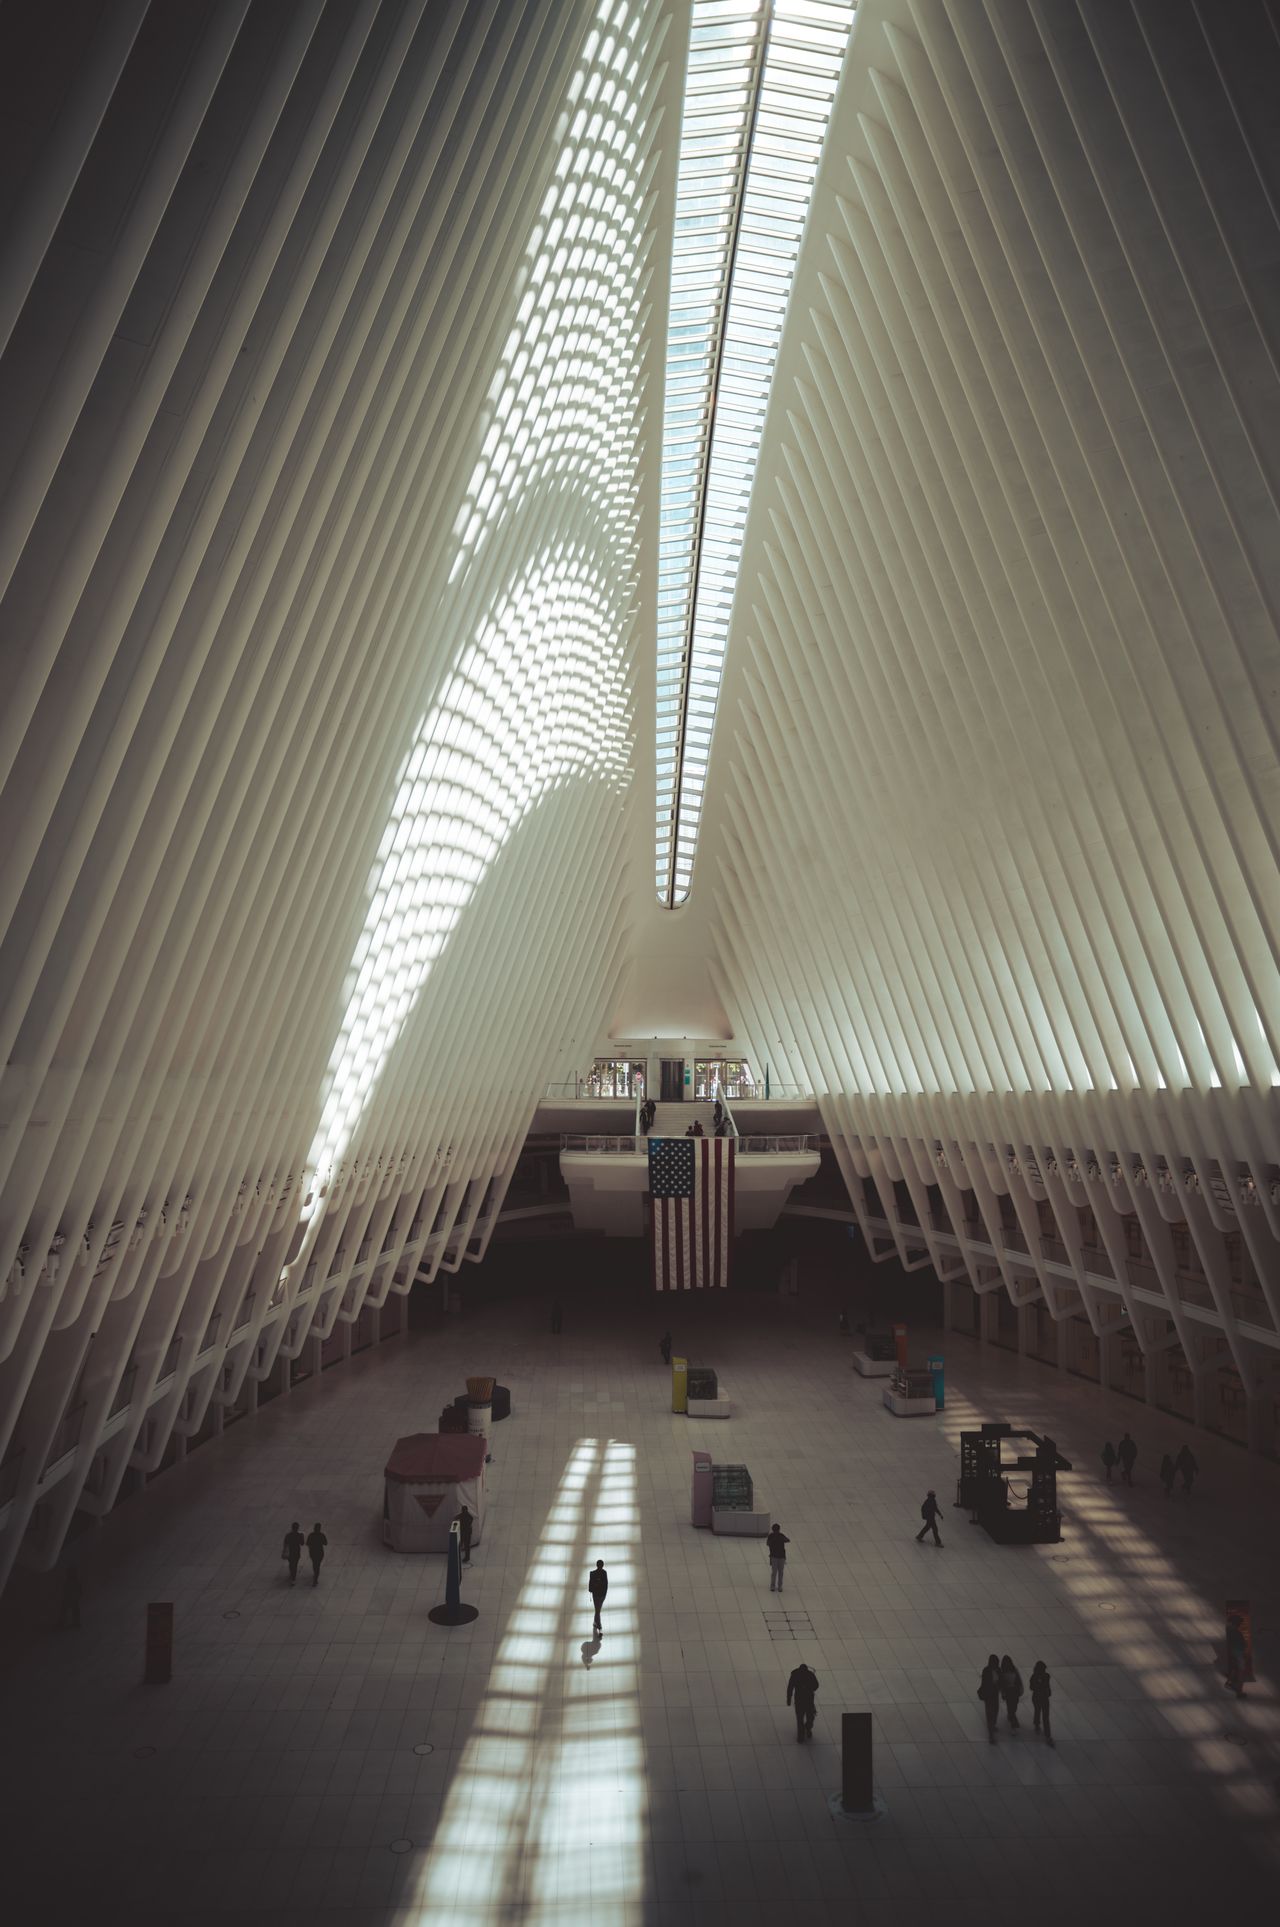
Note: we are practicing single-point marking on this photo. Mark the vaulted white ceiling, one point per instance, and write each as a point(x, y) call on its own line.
point(333, 384)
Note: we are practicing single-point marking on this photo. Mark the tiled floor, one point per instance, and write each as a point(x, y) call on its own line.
point(654, 1777)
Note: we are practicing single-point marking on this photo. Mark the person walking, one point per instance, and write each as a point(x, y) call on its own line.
point(598, 1586)
point(1168, 1473)
point(316, 1543)
point(1010, 1689)
point(929, 1513)
point(777, 1543)
point(989, 1694)
point(1108, 1458)
point(1187, 1466)
point(1041, 1694)
point(465, 1521)
point(1127, 1453)
point(664, 1346)
point(801, 1687)
point(292, 1551)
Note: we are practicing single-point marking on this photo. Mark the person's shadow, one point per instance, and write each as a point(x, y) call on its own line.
point(590, 1647)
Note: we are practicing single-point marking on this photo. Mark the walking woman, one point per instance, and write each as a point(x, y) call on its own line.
point(316, 1543)
point(1041, 1693)
point(1010, 1688)
point(989, 1694)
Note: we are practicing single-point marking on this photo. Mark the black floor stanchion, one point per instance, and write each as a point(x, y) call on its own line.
point(453, 1612)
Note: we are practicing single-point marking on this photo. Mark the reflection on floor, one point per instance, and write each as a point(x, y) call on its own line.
point(653, 1775)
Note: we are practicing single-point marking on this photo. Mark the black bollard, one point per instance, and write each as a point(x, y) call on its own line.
point(857, 1793)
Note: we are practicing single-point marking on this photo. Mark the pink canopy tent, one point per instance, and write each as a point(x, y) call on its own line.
point(428, 1477)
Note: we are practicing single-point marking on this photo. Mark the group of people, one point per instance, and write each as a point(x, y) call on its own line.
point(315, 1543)
point(1001, 1680)
point(719, 1122)
point(803, 1683)
point(1185, 1466)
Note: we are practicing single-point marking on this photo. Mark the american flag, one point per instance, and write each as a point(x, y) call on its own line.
point(691, 1185)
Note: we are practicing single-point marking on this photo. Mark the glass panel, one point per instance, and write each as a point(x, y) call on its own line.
point(763, 74)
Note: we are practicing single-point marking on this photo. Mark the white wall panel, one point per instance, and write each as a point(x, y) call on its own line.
point(322, 509)
point(993, 852)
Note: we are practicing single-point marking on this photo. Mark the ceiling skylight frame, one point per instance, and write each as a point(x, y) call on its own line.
point(731, 298)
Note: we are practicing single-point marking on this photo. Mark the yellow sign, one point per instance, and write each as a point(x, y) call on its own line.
point(679, 1384)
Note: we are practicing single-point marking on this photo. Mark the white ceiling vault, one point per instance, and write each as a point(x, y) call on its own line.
point(333, 342)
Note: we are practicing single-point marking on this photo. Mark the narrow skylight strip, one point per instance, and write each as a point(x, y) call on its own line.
point(737, 241)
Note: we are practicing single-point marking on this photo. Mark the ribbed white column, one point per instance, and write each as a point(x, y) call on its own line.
point(994, 855)
point(331, 393)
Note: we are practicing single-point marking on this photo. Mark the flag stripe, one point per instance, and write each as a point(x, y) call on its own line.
point(676, 1208)
point(691, 1207)
point(718, 1230)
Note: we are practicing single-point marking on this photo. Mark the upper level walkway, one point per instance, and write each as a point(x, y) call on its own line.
point(607, 1169)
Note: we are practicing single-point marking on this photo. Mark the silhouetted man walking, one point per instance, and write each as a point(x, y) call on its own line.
point(316, 1543)
point(929, 1513)
point(777, 1543)
point(664, 1346)
point(802, 1686)
point(1041, 1694)
point(989, 1694)
point(292, 1550)
point(1188, 1466)
point(1127, 1453)
point(598, 1586)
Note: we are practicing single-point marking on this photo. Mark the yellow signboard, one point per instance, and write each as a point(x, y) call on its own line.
point(679, 1384)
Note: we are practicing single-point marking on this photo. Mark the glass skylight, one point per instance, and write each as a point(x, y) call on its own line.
point(762, 76)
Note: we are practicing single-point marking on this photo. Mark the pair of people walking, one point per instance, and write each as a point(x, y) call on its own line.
point(1125, 1455)
point(1001, 1681)
point(1185, 1466)
point(315, 1543)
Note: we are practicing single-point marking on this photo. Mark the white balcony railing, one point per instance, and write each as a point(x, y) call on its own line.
point(597, 1145)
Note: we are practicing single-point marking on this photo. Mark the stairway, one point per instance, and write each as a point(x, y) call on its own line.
point(673, 1120)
